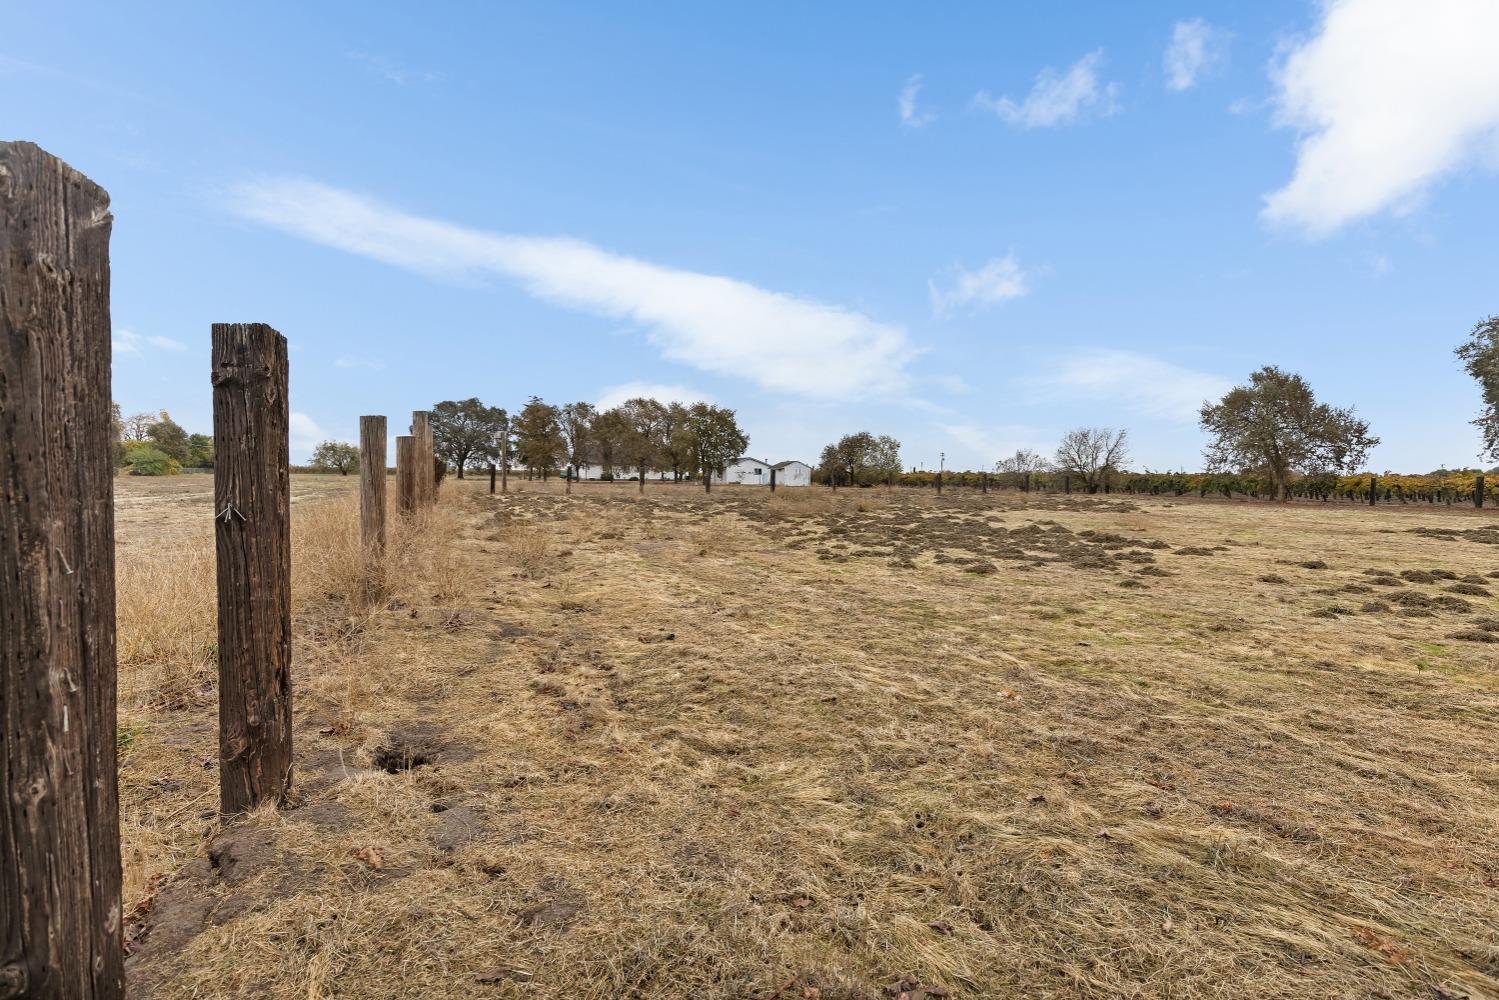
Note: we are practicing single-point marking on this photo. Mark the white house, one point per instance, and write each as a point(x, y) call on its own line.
point(748, 471)
point(793, 473)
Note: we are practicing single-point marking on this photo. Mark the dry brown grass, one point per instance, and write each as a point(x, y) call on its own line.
point(839, 773)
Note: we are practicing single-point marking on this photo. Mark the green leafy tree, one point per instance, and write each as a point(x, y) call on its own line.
point(1275, 426)
point(1480, 356)
point(860, 459)
point(148, 460)
point(576, 423)
point(464, 432)
point(714, 438)
point(336, 456)
point(644, 423)
point(538, 437)
point(678, 443)
point(169, 437)
point(606, 443)
point(200, 451)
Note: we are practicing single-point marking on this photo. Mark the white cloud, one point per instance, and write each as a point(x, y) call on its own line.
point(1389, 96)
point(613, 395)
point(1147, 385)
point(1054, 99)
point(999, 280)
point(718, 324)
point(1196, 48)
point(391, 70)
point(990, 444)
point(127, 341)
point(906, 102)
point(347, 362)
point(304, 432)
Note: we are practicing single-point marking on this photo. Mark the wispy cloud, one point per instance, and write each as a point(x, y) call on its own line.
point(391, 70)
point(1056, 99)
point(347, 362)
point(906, 103)
point(998, 280)
point(1146, 385)
point(1196, 49)
point(613, 395)
point(304, 432)
point(990, 444)
point(126, 341)
point(718, 324)
point(1389, 96)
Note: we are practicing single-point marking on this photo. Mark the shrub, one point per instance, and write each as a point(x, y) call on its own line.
point(150, 461)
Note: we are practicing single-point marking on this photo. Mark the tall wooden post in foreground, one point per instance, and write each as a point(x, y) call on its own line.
point(491, 478)
point(1478, 490)
point(252, 536)
point(772, 480)
point(426, 479)
point(60, 921)
point(406, 485)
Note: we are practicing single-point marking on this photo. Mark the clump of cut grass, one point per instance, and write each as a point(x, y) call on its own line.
point(1468, 589)
point(527, 549)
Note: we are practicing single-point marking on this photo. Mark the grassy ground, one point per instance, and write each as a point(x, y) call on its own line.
point(808, 746)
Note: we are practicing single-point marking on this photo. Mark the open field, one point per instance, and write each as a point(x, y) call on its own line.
point(816, 746)
point(153, 511)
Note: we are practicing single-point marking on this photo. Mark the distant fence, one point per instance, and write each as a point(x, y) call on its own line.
point(1460, 488)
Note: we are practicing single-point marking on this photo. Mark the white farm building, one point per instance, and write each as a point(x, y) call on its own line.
point(748, 471)
point(793, 473)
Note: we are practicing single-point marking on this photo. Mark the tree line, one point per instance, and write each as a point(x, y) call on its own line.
point(1272, 435)
point(635, 439)
point(153, 444)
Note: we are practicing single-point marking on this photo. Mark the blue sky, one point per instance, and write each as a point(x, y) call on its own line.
point(971, 227)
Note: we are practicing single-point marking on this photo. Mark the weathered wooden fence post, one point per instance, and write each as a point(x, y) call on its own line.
point(60, 920)
point(406, 484)
point(372, 486)
point(491, 478)
point(1066, 484)
point(252, 534)
point(372, 501)
point(1478, 490)
point(939, 482)
point(1373, 490)
point(984, 482)
point(772, 480)
point(568, 476)
point(426, 482)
